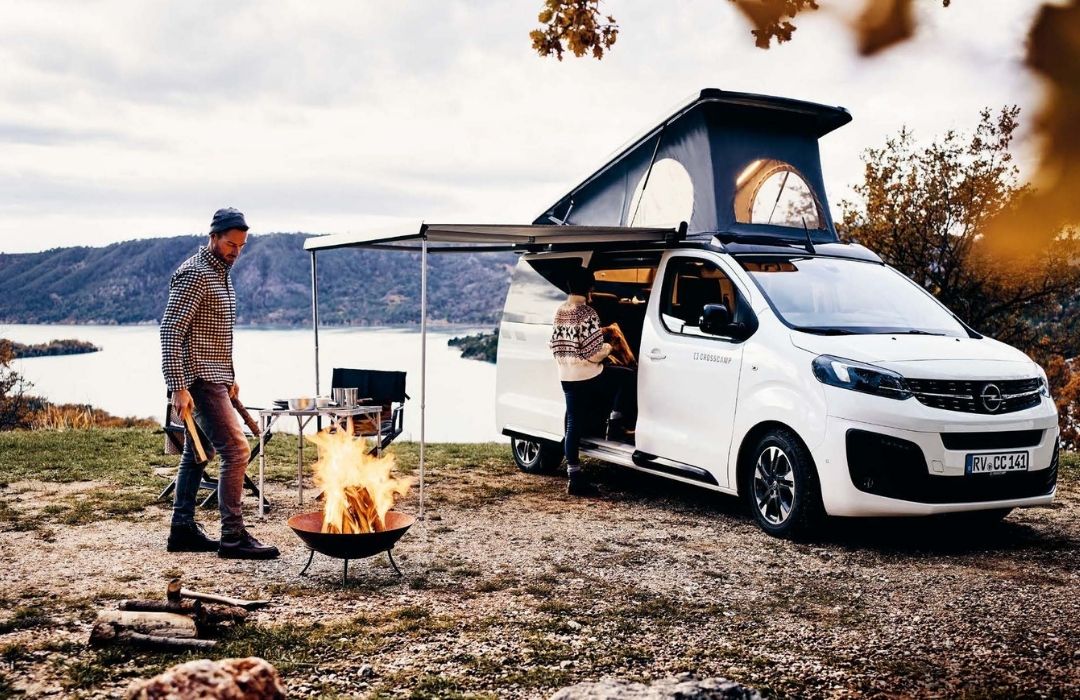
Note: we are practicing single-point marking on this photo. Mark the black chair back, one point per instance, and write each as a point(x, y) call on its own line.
point(382, 386)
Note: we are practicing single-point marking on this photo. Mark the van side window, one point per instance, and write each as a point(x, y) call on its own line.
point(690, 284)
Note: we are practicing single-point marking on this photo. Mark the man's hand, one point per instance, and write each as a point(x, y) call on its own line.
point(234, 391)
point(182, 402)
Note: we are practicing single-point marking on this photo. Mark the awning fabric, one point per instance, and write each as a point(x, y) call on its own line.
point(491, 237)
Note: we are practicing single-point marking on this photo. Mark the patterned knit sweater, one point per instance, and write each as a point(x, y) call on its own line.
point(577, 341)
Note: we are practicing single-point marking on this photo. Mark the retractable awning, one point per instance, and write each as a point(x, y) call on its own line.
point(467, 238)
point(493, 237)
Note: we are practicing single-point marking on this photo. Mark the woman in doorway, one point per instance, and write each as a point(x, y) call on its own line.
point(577, 342)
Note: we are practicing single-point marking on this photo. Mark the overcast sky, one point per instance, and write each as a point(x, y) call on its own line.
point(122, 120)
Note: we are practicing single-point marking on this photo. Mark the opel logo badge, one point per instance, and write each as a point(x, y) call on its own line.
point(991, 398)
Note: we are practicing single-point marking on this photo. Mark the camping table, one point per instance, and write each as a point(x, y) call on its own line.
point(269, 416)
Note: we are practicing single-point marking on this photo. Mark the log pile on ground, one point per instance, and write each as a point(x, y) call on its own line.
point(183, 621)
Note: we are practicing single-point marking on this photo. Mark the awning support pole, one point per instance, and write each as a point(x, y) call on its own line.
point(423, 362)
point(315, 324)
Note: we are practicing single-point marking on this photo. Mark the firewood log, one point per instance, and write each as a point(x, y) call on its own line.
point(165, 624)
point(183, 607)
point(105, 633)
point(204, 615)
point(174, 592)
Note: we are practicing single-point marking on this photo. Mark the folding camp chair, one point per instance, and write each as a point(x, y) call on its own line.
point(383, 388)
point(174, 444)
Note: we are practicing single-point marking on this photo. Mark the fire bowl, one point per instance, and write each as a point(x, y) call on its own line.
point(308, 527)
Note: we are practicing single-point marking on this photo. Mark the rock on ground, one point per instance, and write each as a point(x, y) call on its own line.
point(230, 679)
point(681, 687)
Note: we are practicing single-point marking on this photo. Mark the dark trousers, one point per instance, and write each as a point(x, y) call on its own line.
point(589, 402)
point(218, 421)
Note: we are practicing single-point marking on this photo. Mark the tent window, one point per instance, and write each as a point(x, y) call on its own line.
point(773, 192)
point(666, 200)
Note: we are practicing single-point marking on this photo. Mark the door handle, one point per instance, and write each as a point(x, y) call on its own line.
point(655, 354)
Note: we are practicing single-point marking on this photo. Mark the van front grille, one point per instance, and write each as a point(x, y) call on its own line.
point(991, 398)
point(1001, 440)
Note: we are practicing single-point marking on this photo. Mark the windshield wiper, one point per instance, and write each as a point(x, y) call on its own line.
point(825, 330)
point(910, 331)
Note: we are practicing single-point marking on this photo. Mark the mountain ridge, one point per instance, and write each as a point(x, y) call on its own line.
point(127, 283)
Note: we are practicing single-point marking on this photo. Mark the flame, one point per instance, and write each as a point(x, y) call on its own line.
point(358, 488)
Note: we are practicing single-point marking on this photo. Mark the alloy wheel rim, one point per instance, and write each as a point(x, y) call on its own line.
point(526, 450)
point(774, 485)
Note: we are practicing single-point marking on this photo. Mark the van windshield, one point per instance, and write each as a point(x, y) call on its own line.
point(838, 297)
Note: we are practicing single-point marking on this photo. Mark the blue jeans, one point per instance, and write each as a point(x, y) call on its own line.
point(588, 404)
point(218, 421)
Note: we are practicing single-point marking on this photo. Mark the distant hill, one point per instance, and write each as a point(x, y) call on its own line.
point(482, 346)
point(128, 283)
point(69, 346)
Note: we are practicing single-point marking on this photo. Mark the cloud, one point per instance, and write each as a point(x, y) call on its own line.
point(40, 135)
point(122, 119)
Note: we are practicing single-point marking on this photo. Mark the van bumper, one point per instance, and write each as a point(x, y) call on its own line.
point(871, 470)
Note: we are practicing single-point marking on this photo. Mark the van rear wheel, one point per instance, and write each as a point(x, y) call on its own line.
point(535, 456)
point(781, 485)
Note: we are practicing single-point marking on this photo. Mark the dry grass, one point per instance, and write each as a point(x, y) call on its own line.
point(83, 417)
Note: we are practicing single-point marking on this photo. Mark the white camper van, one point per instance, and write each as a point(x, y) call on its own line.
point(773, 361)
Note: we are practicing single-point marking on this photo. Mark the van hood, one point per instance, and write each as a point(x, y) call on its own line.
point(929, 357)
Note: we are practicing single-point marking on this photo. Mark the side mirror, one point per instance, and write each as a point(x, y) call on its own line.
point(715, 320)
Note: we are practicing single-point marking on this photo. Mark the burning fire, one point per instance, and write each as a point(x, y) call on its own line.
point(358, 488)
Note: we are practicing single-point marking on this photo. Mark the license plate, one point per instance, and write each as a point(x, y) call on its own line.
point(997, 463)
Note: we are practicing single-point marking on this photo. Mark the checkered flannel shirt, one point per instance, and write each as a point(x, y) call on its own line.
point(197, 326)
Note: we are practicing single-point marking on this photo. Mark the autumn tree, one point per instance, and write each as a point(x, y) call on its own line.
point(580, 27)
point(14, 405)
point(576, 26)
point(926, 209)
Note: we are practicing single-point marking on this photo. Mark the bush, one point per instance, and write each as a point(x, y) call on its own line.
point(15, 410)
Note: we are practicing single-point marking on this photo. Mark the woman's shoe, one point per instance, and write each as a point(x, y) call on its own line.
point(578, 485)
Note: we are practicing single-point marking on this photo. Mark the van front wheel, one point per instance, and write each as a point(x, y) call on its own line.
point(535, 456)
point(781, 485)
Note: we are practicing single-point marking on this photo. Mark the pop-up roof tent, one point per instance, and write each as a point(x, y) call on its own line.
point(702, 160)
point(703, 171)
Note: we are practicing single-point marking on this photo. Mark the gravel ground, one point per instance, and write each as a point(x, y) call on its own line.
point(513, 589)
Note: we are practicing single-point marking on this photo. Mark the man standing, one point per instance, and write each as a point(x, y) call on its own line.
point(196, 358)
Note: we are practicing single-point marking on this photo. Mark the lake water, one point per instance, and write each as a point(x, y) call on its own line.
point(125, 377)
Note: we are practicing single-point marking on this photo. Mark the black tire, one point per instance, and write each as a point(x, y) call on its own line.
point(780, 485)
point(535, 456)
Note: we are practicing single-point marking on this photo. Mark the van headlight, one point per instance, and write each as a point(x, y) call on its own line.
point(1044, 383)
point(859, 376)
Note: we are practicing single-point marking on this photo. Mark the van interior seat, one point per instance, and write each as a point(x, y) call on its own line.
point(605, 304)
point(692, 294)
point(630, 317)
